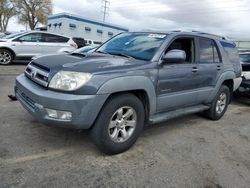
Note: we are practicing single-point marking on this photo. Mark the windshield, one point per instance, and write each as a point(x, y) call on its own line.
point(137, 45)
point(245, 58)
point(13, 35)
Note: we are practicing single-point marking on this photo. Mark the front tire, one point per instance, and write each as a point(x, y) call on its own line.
point(6, 57)
point(219, 104)
point(119, 124)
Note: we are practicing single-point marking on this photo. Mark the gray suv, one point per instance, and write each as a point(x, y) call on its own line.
point(133, 79)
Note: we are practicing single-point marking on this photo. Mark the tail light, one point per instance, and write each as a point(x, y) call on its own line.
point(73, 44)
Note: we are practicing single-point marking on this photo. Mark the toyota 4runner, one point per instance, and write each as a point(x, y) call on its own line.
point(133, 79)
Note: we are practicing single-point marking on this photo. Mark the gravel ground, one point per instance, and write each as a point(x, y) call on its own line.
point(189, 151)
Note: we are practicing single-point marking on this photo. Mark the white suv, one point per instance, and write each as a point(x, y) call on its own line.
point(28, 44)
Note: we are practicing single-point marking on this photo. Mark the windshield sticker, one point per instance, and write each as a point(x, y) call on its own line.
point(160, 36)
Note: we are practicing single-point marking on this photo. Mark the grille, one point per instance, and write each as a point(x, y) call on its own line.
point(37, 74)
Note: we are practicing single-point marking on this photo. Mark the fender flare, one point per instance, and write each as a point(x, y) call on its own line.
point(228, 75)
point(129, 83)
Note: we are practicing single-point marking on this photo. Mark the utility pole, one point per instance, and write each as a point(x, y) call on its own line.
point(105, 8)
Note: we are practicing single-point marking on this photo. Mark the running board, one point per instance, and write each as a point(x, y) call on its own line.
point(176, 113)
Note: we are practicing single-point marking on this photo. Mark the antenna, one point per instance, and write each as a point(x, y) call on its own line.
point(105, 8)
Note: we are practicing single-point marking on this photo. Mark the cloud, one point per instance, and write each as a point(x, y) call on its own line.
point(224, 17)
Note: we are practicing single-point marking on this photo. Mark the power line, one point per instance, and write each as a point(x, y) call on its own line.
point(105, 8)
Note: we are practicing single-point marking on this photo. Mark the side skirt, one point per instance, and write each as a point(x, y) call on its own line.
point(176, 113)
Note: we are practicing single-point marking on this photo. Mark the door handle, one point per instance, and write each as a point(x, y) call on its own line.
point(195, 69)
point(218, 67)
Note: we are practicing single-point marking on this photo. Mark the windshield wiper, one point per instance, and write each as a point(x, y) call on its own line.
point(101, 52)
point(121, 54)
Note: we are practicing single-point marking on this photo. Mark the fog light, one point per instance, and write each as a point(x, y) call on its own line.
point(57, 114)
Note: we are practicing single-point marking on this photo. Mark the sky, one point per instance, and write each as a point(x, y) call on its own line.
point(223, 17)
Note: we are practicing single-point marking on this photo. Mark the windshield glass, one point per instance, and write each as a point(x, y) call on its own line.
point(13, 35)
point(137, 45)
point(245, 58)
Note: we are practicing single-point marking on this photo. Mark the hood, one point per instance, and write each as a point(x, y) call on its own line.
point(91, 63)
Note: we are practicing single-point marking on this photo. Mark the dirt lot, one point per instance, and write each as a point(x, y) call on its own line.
point(190, 151)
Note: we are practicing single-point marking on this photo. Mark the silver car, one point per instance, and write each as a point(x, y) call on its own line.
point(25, 45)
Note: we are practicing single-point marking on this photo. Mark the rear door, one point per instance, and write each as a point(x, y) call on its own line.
point(53, 43)
point(209, 67)
point(28, 45)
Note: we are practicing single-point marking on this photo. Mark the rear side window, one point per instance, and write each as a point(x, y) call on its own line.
point(208, 51)
point(54, 38)
point(231, 51)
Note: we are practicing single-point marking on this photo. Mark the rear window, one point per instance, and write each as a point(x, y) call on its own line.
point(231, 50)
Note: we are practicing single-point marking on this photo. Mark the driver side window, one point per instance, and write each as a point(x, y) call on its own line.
point(185, 44)
point(33, 37)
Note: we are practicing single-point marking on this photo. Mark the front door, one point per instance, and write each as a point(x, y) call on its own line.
point(28, 45)
point(177, 81)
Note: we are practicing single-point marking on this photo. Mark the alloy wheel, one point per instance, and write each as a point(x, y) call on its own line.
point(122, 124)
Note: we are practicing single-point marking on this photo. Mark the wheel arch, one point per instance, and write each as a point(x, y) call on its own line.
point(140, 86)
point(9, 49)
point(225, 79)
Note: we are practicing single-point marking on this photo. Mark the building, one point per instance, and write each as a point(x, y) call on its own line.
point(75, 26)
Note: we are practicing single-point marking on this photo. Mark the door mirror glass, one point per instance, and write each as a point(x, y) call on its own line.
point(174, 56)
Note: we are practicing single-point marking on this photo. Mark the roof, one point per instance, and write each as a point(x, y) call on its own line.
point(192, 33)
point(82, 19)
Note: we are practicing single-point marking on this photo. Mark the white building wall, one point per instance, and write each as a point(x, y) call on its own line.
point(67, 20)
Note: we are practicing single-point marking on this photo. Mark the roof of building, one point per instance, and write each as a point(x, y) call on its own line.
point(82, 19)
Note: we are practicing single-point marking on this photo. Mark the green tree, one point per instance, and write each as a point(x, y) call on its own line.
point(32, 12)
point(7, 10)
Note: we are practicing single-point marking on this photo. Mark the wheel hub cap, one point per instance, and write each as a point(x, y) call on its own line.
point(221, 103)
point(5, 57)
point(122, 124)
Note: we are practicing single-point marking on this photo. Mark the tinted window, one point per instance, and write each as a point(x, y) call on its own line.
point(231, 51)
point(33, 37)
point(208, 51)
point(53, 38)
point(138, 45)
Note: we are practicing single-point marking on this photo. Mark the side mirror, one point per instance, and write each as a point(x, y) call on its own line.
point(174, 56)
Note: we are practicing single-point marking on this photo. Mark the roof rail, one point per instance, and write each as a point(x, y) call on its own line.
point(209, 34)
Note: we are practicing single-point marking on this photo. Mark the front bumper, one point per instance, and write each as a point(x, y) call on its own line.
point(35, 99)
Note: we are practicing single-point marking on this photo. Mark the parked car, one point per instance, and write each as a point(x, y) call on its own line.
point(133, 79)
point(25, 45)
point(244, 88)
point(79, 41)
point(85, 49)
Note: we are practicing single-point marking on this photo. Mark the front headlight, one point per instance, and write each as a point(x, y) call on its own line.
point(68, 80)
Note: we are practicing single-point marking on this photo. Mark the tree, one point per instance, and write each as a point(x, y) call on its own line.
point(7, 10)
point(32, 12)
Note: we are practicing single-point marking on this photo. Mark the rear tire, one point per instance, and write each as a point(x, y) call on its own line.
point(6, 57)
point(119, 124)
point(219, 104)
